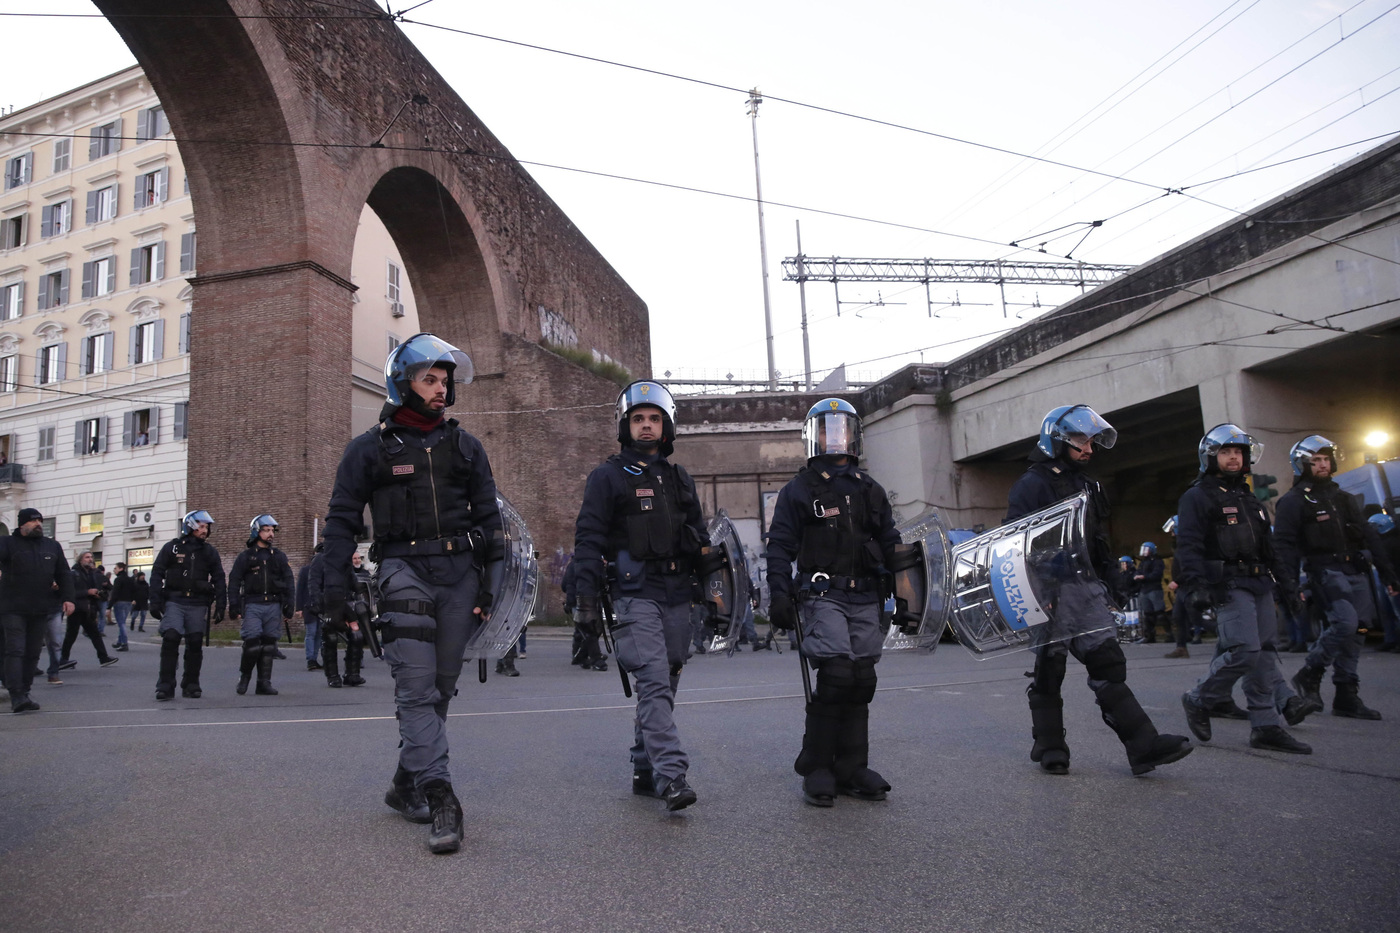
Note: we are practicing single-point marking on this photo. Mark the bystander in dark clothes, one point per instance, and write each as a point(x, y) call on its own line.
point(35, 581)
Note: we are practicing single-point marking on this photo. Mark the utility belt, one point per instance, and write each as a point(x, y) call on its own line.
point(429, 547)
point(668, 566)
point(194, 591)
point(1346, 562)
point(820, 582)
point(262, 597)
point(1245, 568)
point(392, 631)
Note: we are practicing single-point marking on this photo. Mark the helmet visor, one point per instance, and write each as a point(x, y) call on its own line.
point(424, 351)
point(1083, 421)
point(832, 433)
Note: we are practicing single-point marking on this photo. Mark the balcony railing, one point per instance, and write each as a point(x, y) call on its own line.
point(12, 473)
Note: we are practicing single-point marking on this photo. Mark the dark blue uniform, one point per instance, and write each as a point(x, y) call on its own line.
point(187, 583)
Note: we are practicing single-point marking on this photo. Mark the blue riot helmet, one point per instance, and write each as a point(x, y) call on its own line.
point(1227, 435)
point(192, 519)
point(1126, 559)
point(420, 352)
point(1148, 549)
point(1062, 423)
point(832, 428)
point(1169, 526)
point(645, 392)
point(1302, 453)
point(256, 525)
point(1383, 522)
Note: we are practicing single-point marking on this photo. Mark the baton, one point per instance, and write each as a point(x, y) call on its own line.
point(208, 623)
point(802, 660)
point(606, 603)
point(287, 627)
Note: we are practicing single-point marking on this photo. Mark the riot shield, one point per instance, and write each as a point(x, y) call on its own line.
point(1028, 583)
point(724, 583)
point(514, 606)
point(921, 578)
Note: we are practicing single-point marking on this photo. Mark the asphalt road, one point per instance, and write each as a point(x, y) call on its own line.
point(253, 813)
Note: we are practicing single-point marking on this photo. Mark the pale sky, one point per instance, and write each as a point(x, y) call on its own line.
point(1166, 96)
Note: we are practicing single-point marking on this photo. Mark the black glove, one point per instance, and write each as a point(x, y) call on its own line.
point(157, 611)
point(782, 614)
point(218, 614)
point(484, 601)
point(588, 616)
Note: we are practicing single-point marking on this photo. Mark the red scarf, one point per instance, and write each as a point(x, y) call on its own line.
point(411, 419)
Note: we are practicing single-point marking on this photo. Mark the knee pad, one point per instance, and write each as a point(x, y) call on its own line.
point(836, 681)
point(170, 639)
point(865, 680)
point(1106, 663)
point(1049, 673)
point(252, 644)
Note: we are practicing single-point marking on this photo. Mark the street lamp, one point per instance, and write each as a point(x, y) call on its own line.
point(1375, 440)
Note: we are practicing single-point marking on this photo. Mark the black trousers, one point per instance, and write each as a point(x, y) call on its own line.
point(84, 618)
point(24, 640)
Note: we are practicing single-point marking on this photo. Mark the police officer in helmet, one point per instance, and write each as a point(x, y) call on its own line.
point(1068, 436)
point(835, 522)
point(638, 532)
point(439, 546)
point(261, 590)
point(187, 580)
point(1318, 525)
point(1225, 558)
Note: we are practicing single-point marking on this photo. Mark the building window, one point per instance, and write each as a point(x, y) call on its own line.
point(151, 123)
point(90, 437)
point(185, 332)
point(141, 428)
point(56, 219)
point(102, 204)
point(97, 354)
point(19, 170)
point(90, 523)
point(45, 446)
point(12, 231)
point(182, 421)
point(52, 361)
point(393, 289)
point(53, 289)
point(11, 301)
point(147, 342)
point(152, 188)
point(105, 140)
point(62, 155)
point(188, 245)
point(48, 524)
point(100, 277)
point(148, 263)
point(394, 342)
point(9, 373)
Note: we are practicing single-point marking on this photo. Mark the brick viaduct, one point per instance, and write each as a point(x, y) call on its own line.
point(274, 104)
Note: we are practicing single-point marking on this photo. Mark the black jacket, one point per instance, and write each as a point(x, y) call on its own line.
point(1308, 501)
point(1208, 536)
point(141, 594)
point(189, 571)
point(261, 575)
point(84, 580)
point(123, 587)
point(34, 575)
point(1049, 481)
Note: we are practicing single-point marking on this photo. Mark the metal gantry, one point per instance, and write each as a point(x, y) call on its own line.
point(1001, 272)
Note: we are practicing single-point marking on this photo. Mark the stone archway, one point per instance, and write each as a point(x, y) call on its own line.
point(275, 107)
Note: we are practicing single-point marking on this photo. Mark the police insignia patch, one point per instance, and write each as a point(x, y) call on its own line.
point(402, 469)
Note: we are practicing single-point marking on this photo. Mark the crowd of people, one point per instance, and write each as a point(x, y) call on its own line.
point(641, 548)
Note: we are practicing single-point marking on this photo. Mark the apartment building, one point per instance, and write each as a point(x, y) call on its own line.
point(98, 239)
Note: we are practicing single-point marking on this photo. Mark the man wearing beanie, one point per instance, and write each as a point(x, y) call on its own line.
point(34, 577)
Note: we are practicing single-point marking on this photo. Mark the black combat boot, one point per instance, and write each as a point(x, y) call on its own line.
point(1296, 709)
point(194, 663)
point(252, 651)
point(643, 782)
point(446, 834)
point(353, 656)
point(1146, 748)
point(1227, 709)
point(407, 799)
point(854, 777)
point(1048, 731)
point(506, 667)
point(169, 660)
point(269, 654)
point(817, 760)
point(678, 794)
point(1277, 739)
point(1347, 703)
point(1307, 683)
point(331, 661)
point(1197, 718)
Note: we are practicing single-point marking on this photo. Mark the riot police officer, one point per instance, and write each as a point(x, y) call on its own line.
point(834, 520)
point(261, 589)
point(1320, 526)
point(1147, 585)
point(343, 622)
point(637, 535)
point(439, 546)
point(187, 592)
point(1225, 558)
point(1068, 435)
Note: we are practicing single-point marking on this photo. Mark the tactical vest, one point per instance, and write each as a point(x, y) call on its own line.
point(1237, 528)
point(1325, 520)
point(259, 576)
point(837, 529)
point(421, 492)
point(191, 571)
point(1063, 485)
point(653, 511)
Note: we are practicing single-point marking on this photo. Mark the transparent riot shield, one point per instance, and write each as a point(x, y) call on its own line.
point(921, 579)
point(724, 584)
point(1028, 583)
point(514, 606)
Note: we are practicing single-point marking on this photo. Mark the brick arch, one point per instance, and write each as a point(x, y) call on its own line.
point(274, 110)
